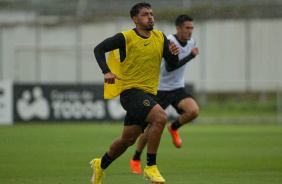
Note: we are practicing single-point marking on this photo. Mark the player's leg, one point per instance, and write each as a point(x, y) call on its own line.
point(164, 102)
point(143, 139)
point(128, 138)
point(132, 101)
point(157, 117)
point(117, 148)
point(189, 110)
point(135, 161)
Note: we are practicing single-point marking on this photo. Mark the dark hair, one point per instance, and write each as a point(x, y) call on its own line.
point(182, 18)
point(136, 8)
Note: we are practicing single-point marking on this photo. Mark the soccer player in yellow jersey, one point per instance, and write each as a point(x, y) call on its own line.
point(171, 89)
point(133, 72)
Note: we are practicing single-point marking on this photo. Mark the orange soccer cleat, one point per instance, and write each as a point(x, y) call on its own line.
point(135, 166)
point(175, 136)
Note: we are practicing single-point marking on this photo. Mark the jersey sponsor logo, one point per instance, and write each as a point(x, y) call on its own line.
point(146, 102)
point(146, 44)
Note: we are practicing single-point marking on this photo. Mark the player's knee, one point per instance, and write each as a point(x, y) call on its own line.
point(161, 119)
point(192, 113)
point(157, 117)
point(195, 112)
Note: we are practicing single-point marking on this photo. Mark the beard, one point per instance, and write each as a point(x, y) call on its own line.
point(150, 28)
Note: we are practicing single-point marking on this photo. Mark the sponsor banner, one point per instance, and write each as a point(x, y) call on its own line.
point(64, 103)
point(67, 102)
point(6, 95)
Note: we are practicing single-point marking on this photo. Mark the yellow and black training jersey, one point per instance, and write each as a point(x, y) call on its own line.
point(141, 66)
point(137, 62)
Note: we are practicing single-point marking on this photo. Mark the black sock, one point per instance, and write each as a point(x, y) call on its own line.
point(137, 155)
point(151, 159)
point(175, 125)
point(106, 161)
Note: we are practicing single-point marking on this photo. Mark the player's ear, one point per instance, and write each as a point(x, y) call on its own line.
point(135, 19)
point(178, 28)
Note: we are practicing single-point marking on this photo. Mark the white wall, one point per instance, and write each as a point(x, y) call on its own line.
point(235, 55)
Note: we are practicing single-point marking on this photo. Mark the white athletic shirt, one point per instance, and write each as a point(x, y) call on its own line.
point(175, 79)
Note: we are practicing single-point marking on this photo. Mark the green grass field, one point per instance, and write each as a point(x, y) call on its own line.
point(211, 154)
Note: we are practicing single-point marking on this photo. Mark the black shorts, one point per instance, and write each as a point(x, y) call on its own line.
point(166, 98)
point(137, 104)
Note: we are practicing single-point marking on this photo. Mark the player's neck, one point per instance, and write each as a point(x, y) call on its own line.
point(183, 44)
point(144, 33)
point(180, 39)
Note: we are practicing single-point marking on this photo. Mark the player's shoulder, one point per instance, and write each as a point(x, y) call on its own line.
point(157, 32)
point(170, 37)
point(130, 31)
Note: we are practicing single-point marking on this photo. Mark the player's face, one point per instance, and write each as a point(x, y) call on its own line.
point(185, 31)
point(145, 19)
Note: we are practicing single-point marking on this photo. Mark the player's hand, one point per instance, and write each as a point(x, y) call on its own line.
point(174, 49)
point(195, 51)
point(109, 78)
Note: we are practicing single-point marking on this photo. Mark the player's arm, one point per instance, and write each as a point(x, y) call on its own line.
point(109, 44)
point(193, 54)
point(170, 53)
